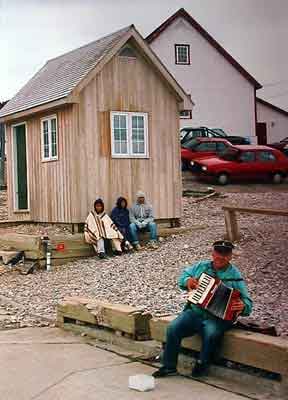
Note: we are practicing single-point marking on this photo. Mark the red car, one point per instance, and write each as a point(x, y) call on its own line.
point(202, 148)
point(243, 162)
point(282, 145)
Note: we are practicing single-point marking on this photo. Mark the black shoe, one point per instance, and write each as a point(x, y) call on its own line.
point(199, 370)
point(102, 255)
point(163, 372)
point(117, 253)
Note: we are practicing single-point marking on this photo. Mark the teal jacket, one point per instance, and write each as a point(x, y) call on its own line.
point(231, 272)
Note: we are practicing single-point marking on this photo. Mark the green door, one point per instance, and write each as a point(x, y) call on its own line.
point(21, 167)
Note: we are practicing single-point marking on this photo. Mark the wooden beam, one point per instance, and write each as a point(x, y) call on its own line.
point(232, 229)
point(266, 211)
point(248, 348)
point(7, 223)
point(118, 317)
point(20, 242)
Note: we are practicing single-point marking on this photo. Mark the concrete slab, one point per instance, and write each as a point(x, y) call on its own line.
point(112, 383)
point(46, 364)
point(38, 335)
point(28, 368)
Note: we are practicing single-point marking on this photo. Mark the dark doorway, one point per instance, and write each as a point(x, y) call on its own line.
point(261, 132)
point(20, 167)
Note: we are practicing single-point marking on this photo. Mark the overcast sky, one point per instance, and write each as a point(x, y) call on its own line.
point(255, 32)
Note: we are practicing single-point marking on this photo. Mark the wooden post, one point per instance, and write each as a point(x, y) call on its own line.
point(231, 225)
point(77, 228)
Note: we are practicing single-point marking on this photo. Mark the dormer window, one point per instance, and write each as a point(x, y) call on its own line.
point(182, 54)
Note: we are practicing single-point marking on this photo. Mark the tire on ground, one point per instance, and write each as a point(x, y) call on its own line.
point(222, 178)
point(277, 177)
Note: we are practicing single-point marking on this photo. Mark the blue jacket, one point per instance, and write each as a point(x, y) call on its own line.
point(231, 272)
point(120, 216)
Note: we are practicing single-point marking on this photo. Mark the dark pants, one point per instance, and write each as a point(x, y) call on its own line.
point(187, 324)
point(125, 232)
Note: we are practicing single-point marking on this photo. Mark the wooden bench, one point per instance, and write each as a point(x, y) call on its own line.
point(252, 349)
point(230, 214)
point(134, 330)
point(125, 319)
point(168, 222)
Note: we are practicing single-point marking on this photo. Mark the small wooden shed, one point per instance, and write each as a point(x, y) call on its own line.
point(99, 121)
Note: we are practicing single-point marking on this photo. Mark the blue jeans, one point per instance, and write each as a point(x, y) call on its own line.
point(187, 324)
point(151, 227)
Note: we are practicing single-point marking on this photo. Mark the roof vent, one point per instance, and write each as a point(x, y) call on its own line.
point(127, 52)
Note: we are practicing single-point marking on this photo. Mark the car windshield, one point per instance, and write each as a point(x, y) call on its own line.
point(183, 132)
point(190, 144)
point(219, 132)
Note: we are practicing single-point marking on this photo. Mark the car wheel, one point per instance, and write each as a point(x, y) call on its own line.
point(184, 165)
point(277, 178)
point(223, 179)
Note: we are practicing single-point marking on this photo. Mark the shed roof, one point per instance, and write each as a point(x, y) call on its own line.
point(60, 76)
point(182, 13)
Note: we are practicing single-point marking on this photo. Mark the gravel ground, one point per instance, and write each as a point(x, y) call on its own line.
point(149, 278)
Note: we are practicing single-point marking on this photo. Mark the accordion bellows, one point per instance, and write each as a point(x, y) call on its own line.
point(215, 297)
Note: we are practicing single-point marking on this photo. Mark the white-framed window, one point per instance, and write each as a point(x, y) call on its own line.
point(129, 134)
point(186, 114)
point(49, 138)
point(182, 54)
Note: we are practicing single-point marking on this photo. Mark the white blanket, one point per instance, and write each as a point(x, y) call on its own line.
point(99, 226)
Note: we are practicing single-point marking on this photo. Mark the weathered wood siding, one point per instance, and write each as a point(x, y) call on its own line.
point(129, 85)
point(51, 190)
point(64, 190)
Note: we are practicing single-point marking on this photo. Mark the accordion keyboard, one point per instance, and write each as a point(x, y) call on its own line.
point(197, 296)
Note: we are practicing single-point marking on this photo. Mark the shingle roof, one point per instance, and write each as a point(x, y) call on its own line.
point(59, 76)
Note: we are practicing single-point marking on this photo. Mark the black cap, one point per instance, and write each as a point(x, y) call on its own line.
point(223, 246)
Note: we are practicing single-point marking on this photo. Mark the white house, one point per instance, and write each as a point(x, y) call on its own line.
point(272, 123)
point(223, 91)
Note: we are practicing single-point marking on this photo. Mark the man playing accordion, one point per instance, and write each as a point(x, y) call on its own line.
point(196, 319)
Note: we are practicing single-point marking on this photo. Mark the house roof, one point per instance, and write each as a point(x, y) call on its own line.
point(275, 108)
point(61, 77)
point(2, 104)
point(182, 13)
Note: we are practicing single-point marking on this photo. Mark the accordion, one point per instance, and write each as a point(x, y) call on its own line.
point(215, 297)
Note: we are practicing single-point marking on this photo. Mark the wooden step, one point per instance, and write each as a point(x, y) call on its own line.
point(245, 347)
point(118, 317)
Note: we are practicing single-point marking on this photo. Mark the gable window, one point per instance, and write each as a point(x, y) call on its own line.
point(49, 140)
point(129, 134)
point(182, 54)
point(186, 114)
point(127, 52)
